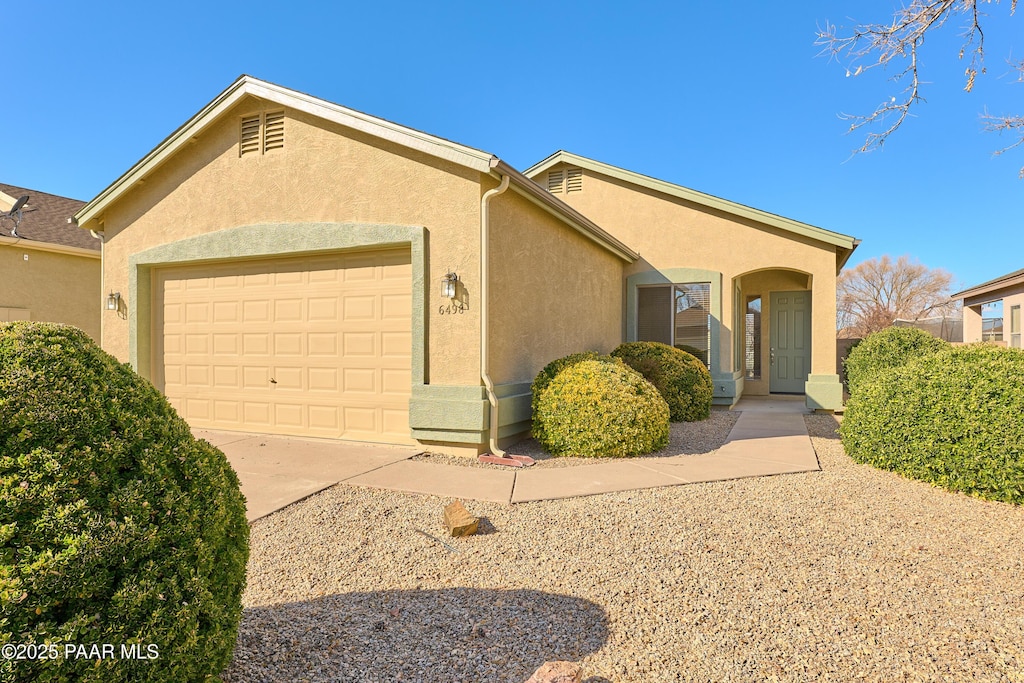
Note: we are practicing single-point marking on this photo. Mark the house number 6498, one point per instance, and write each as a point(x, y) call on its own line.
point(452, 308)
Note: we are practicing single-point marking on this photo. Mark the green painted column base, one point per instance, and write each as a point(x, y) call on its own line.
point(461, 414)
point(726, 389)
point(823, 392)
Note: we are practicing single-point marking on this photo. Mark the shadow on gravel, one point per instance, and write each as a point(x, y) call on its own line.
point(416, 635)
point(823, 426)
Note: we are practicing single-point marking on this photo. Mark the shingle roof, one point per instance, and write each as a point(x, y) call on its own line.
point(45, 219)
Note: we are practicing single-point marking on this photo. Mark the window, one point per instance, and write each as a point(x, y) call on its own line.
point(752, 338)
point(678, 315)
point(261, 133)
point(1015, 327)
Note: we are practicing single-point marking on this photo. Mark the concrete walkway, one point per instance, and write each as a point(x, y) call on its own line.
point(768, 438)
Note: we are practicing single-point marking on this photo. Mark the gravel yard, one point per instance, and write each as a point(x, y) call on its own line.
point(848, 573)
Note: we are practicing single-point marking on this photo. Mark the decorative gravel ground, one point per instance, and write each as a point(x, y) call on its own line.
point(845, 574)
point(684, 438)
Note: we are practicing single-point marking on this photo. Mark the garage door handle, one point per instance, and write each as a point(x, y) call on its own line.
point(273, 381)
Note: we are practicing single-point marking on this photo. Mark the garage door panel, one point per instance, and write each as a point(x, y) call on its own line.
point(332, 330)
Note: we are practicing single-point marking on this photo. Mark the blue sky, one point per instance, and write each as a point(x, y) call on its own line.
point(726, 98)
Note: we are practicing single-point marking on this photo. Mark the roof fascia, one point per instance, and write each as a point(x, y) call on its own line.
point(562, 211)
point(247, 85)
point(989, 287)
point(693, 196)
point(48, 246)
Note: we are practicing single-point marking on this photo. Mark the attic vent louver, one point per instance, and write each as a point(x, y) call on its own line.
point(261, 133)
point(273, 135)
point(574, 180)
point(249, 140)
point(555, 181)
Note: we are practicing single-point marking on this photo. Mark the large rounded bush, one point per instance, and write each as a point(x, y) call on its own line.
point(681, 379)
point(952, 419)
point(117, 527)
point(889, 348)
point(600, 409)
point(543, 379)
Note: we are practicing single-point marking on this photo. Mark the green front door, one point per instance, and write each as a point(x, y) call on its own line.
point(790, 342)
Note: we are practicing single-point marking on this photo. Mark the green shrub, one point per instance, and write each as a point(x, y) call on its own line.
point(890, 348)
point(952, 419)
point(601, 409)
point(116, 525)
point(681, 379)
point(699, 354)
point(543, 379)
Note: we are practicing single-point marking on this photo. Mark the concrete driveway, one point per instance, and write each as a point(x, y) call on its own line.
point(276, 471)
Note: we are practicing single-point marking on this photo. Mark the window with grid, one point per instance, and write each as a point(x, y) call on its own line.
point(678, 315)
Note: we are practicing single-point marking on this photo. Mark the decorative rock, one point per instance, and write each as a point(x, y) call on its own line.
point(557, 672)
point(459, 521)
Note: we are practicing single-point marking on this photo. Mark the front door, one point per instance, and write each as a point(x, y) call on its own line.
point(790, 354)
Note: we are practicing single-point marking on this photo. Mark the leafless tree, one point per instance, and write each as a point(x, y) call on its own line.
point(868, 46)
point(872, 295)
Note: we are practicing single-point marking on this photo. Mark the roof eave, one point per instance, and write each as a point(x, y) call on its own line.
point(545, 200)
point(988, 288)
point(686, 194)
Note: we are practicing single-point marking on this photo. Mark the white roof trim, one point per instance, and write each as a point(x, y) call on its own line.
point(247, 85)
point(710, 201)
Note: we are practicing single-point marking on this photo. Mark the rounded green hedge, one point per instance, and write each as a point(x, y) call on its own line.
point(889, 348)
point(543, 379)
point(952, 419)
point(596, 408)
point(681, 379)
point(117, 527)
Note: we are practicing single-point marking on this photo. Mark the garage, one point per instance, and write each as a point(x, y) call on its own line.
point(318, 345)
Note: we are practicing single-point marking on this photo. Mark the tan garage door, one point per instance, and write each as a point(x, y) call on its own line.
point(314, 346)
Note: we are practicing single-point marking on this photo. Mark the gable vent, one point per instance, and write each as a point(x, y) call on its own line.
point(261, 133)
point(555, 181)
point(249, 140)
point(573, 180)
point(273, 135)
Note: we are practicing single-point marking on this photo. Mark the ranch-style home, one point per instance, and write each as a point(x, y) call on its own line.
point(286, 265)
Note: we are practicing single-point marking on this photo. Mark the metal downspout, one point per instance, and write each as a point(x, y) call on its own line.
point(484, 288)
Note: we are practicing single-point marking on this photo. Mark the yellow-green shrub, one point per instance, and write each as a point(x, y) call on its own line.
point(543, 379)
point(886, 349)
point(681, 379)
point(116, 525)
point(951, 418)
point(602, 409)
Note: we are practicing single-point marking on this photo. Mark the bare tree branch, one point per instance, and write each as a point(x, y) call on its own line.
point(869, 46)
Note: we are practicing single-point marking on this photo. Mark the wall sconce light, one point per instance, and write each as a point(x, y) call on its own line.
point(114, 301)
point(448, 285)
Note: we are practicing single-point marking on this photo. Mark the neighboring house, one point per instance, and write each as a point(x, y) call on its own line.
point(1009, 289)
point(49, 270)
point(287, 265)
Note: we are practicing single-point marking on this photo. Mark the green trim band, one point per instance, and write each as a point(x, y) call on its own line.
point(823, 392)
point(270, 240)
point(461, 414)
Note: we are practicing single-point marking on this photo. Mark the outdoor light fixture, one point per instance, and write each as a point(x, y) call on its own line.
point(448, 285)
point(114, 301)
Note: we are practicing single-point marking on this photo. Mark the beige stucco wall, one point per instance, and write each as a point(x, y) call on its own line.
point(671, 233)
point(553, 291)
point(54, 287)
point(325, 173)
point(1012, 295)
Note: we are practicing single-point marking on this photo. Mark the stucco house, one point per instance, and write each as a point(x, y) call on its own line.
point(291, 266)
point(1007, 288)
point(49, 270)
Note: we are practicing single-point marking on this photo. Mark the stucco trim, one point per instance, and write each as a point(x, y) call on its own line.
point(247, 85)
point(695, 197)
point(268, 240)
point(823, 392)
point(461, 414)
